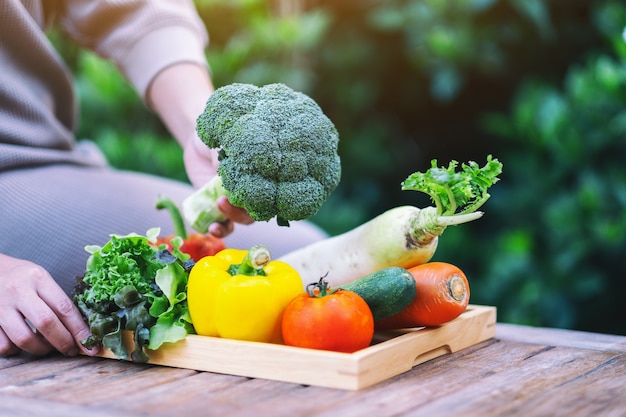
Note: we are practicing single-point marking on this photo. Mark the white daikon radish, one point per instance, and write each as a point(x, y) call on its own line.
point(403, 236)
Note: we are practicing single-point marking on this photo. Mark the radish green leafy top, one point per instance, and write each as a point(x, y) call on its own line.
point(456, 192)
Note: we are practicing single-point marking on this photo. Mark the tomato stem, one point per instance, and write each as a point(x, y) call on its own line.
point(319, 289)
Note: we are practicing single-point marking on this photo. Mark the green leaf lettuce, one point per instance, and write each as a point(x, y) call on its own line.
point(129, 284)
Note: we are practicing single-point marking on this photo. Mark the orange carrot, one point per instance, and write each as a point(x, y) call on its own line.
point(442, 294)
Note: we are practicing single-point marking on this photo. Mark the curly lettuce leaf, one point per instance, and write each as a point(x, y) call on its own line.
point(123, 261)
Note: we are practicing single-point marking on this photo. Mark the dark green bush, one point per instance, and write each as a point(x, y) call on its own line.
point(557, 223)
point(406, 82)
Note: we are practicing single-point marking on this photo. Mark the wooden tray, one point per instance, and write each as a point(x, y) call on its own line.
point(390, 354)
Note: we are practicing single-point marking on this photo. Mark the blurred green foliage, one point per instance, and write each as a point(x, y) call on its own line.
point(560, 216)
point(540, 84)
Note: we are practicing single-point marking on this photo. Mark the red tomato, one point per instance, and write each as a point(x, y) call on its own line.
point(329, 320)
point(442, 294)
point(196, 245)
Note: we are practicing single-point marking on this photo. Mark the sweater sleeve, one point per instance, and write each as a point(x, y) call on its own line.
point(142, 37)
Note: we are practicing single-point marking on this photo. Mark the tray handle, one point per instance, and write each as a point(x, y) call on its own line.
point(432, 354)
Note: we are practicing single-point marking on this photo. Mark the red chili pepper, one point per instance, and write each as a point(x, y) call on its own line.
point(196, 245)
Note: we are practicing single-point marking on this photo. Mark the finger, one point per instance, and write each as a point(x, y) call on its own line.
point(235, 214)
point(7, 348)
point(222, 229)
point(69, 341)
point(20, 334)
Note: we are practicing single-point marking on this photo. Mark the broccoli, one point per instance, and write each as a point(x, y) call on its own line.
point(277, 151)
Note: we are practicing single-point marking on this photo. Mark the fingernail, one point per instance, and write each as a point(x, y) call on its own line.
point(93, 351)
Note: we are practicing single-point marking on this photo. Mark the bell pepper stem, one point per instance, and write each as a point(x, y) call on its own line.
point(253, 263)
point(164, 202)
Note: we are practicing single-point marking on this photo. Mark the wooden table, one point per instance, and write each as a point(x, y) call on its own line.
point(523, 371)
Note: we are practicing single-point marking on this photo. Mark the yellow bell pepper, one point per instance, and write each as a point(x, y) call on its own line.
point(241, 294)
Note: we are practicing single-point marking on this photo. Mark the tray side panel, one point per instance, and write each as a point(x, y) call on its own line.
point(398, 352)
point(406, 350)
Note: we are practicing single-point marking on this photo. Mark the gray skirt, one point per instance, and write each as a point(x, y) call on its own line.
point(49, 214)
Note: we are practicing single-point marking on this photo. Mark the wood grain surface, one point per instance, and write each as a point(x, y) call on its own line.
point(522, 371)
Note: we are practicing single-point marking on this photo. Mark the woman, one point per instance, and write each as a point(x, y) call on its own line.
point(57, 194)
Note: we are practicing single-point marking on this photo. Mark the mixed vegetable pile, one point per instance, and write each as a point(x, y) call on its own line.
point(332, 295)
point(372, 280)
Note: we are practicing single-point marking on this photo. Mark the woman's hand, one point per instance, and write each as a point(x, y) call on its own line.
point(234, 214)
point(29, 296)
point(201, 164)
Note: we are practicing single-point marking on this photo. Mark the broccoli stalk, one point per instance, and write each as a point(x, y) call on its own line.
point(201, 207)
point(277, 151)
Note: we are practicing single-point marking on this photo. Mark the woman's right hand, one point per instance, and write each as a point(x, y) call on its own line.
point(234, 215)
point(30, 296)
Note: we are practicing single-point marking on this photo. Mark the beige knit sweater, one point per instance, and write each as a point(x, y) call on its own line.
point(38, 108)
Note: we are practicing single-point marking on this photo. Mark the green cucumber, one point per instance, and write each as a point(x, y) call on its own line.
point(386, 292)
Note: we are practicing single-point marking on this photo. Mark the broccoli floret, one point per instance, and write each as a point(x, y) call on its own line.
point(278, 155)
